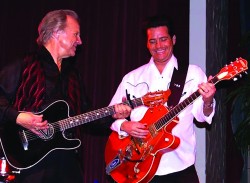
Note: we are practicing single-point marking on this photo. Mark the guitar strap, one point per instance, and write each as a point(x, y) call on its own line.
point(177, 84)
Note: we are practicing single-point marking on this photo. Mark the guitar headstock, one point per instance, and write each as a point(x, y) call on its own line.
point(233, 69)
point(152, 99)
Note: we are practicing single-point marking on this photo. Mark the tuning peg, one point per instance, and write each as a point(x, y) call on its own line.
point(235, 79)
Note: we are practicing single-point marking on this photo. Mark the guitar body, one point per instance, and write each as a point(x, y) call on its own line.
point(24, 149)
point(131, 160)
point(36, 148)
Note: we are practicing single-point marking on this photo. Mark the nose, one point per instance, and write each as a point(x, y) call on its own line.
point(79, 41)
point(158, 44)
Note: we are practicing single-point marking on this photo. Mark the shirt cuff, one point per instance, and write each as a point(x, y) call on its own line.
point(116, 126)
point(209, 118)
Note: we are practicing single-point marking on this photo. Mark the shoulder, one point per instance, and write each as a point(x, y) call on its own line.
point(195, 69)
point(196, 73)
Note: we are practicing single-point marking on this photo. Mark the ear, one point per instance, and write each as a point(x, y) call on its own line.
point(56, 34)
point(174, 39)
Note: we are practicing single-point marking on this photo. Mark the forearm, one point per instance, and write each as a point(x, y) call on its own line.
point(8, 86)
point(7, 113)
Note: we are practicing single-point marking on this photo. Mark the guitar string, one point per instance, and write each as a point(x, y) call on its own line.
point(31, 135)
point(76, 120)
point(91, 116)
point(170, 115)
point(64, 124)
point(94, 115)
point(195, 95)
point(79, 119)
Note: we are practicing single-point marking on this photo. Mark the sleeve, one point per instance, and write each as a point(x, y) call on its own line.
point(117, 98)
point(198, 111)
point(198, 104)
point(9, 79)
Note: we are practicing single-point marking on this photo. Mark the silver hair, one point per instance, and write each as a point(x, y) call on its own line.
point(52, 22)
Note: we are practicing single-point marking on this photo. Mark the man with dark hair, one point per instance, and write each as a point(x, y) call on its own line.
point(176, 165)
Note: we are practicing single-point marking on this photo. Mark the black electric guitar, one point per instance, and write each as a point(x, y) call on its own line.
point(24, 149)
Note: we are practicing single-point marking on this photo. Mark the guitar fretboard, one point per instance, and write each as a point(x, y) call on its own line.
point(180, 107)
point(93, 115)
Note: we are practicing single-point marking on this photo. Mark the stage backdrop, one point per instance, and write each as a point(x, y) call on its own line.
point(113, 44)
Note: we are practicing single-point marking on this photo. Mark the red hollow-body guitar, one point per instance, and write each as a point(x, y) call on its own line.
point(132, 160)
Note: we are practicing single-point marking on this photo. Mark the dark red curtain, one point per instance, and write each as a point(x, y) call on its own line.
point(113, 44)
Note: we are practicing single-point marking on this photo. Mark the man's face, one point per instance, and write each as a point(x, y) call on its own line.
point(160, 44)
point(69, 38)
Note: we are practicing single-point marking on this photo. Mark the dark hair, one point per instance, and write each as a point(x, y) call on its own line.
point(157, 21)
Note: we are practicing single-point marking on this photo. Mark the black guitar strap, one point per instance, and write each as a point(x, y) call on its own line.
point(177, 84)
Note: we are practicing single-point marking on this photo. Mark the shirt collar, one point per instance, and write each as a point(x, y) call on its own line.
point(171, 63)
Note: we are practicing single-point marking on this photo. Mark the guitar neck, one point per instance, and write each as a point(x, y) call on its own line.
point(94, 115)
point(175, 111)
